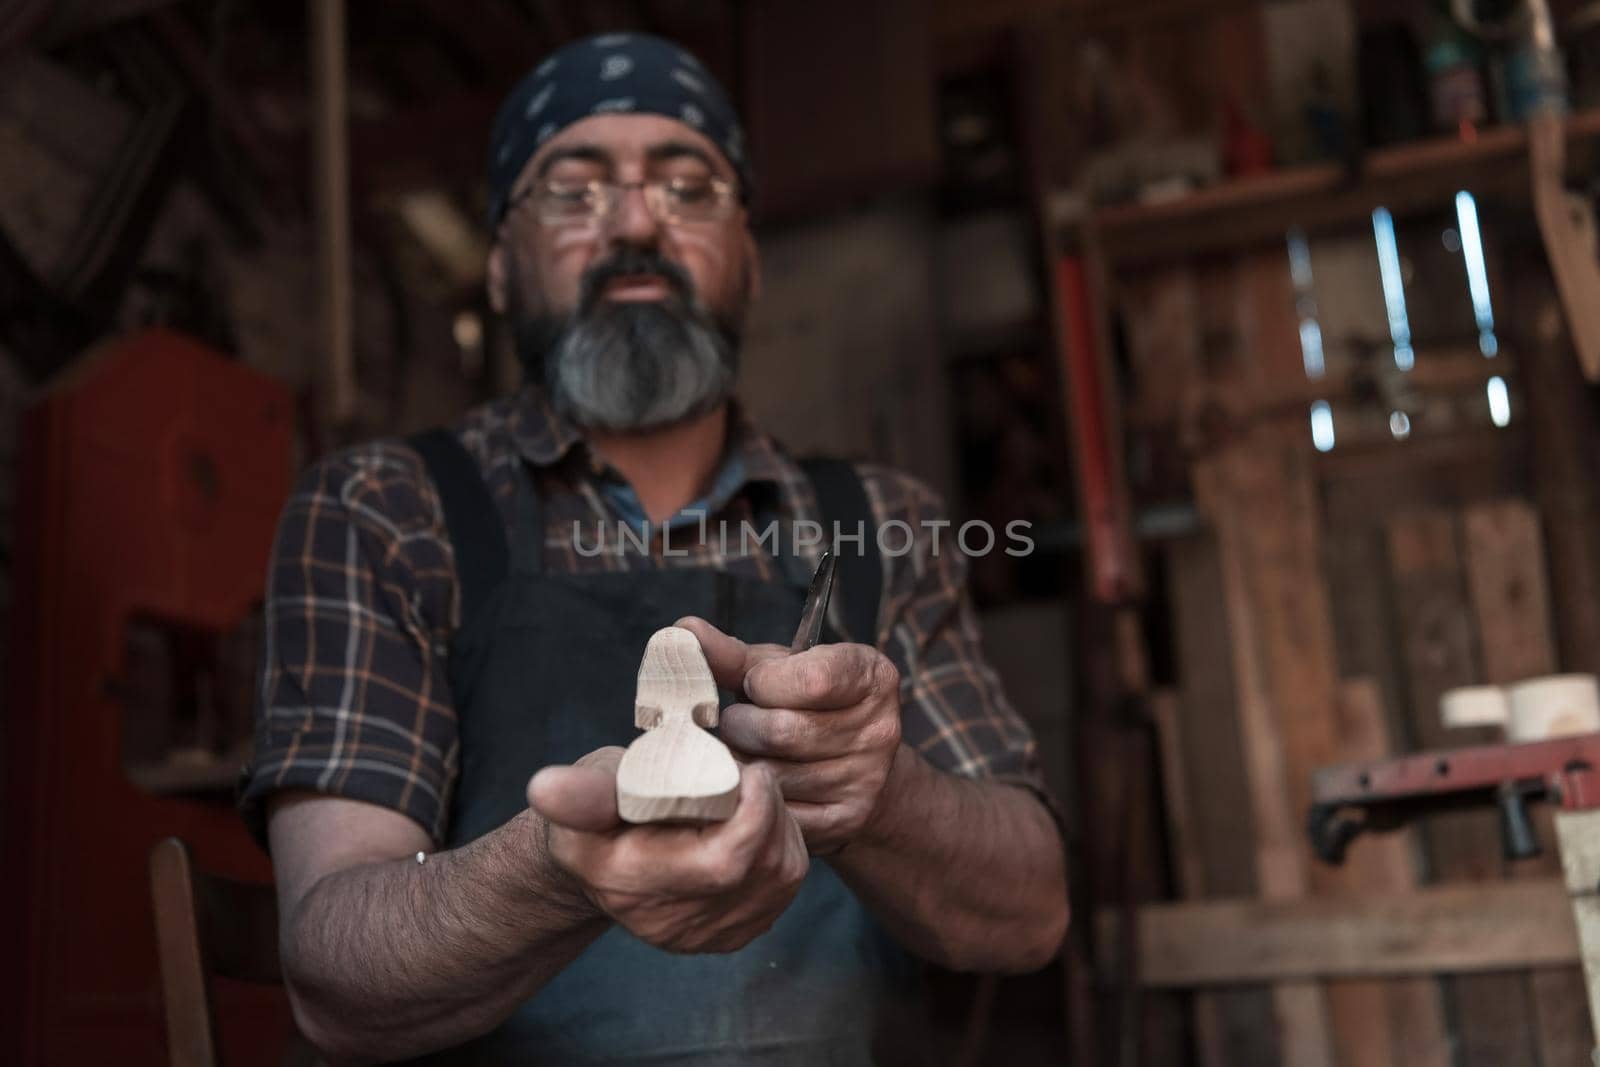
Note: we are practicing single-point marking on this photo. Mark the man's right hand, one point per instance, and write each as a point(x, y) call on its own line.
point(710, 887)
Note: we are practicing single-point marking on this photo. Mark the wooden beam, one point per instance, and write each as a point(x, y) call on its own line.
point(1448, 929)
point(1568, 244)
point(1223, 489)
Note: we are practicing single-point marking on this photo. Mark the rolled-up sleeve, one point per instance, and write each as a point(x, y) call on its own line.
point(353, 698)
point(954, 710)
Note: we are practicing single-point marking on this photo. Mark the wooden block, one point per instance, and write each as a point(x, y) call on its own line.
point(676, 770)
point(1440, 929)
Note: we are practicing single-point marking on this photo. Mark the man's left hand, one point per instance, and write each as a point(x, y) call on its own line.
point(826, 721)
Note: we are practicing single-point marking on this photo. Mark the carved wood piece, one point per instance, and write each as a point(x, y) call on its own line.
point(676, 770)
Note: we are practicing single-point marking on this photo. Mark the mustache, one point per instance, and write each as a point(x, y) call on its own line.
point(629, 261)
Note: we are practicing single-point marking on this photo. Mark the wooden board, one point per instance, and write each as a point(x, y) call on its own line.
point(676, 770)
point(1580, 863)
point(1187, 865)
point(1387, 863)
point(1231, 490)
point(1510, 594)
point(1568, 246)
point(1511, 605)
point(1455, 929)
point(1216, 790)
point(1432, 608)
point(1563, 420)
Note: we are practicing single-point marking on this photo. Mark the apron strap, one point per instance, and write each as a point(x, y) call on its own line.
point(477, 533)
point(527, 524)
point(842, 500)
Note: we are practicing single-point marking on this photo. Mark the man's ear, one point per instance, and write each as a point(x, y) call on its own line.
point(496, 278)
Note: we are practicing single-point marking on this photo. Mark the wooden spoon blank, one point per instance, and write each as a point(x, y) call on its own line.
point(676, 770)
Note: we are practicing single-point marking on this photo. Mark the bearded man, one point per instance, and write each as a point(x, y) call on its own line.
point(453, 639)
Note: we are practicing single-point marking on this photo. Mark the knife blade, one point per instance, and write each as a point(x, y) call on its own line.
point(815, 612)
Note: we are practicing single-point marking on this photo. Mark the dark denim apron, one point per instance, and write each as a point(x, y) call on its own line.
point(542, 672)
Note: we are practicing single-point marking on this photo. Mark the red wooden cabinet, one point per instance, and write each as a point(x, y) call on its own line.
point(149, 485)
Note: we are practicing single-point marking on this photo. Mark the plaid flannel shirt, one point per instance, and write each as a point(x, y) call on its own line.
point(362, 600)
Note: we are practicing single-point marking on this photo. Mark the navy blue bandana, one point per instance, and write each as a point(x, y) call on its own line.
point(613, 73)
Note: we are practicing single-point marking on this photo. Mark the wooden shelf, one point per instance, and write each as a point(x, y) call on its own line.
point(1257, 210)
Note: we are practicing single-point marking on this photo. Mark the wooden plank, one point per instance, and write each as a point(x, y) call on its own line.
point(1564, 423)
point(1491, 1016)
point(1441, 929)
point(1511, 605)
point(1210, 1034)
point(1268, 323)
point(1262, 492)
point(1417, 1035)
point(1218, 796)
point(1510, 595)
point(1228, 492)
point(1580, 862)
point(1162, 333)
point(1281, 538)
point(1368, 485)
point(1567, 245)
point(1356, 566)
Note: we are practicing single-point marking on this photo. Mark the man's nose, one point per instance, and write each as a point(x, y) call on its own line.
point(633, 220)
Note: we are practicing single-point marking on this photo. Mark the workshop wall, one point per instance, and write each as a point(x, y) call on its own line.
point(843, 353)
point(1324, 540)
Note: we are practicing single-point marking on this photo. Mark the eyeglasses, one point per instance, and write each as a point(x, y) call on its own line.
point(672, 201)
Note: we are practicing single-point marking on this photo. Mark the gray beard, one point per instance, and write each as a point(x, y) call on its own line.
point(628, 367)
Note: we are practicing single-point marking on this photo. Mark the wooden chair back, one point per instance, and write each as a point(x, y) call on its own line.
point(206, 925)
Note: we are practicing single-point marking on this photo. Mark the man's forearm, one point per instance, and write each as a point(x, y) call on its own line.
point(969, 874)
point(393, 959)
